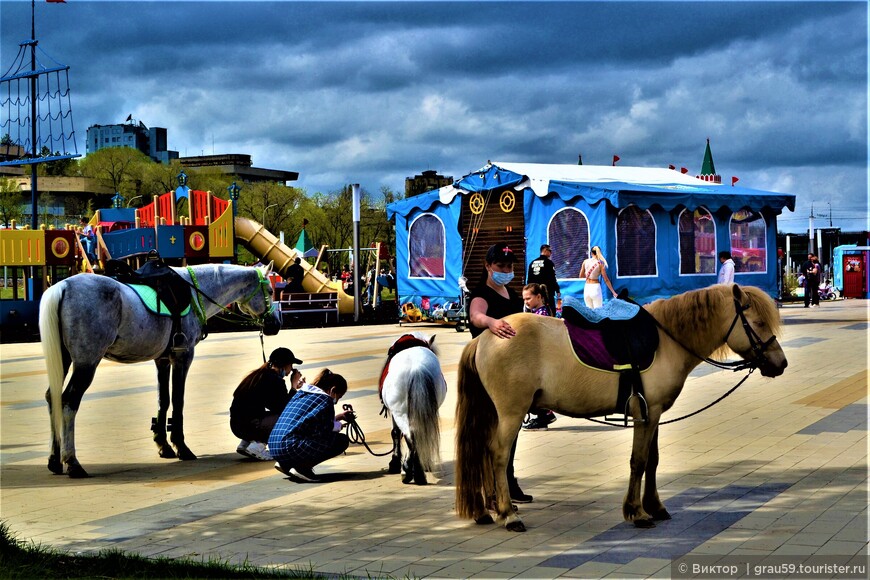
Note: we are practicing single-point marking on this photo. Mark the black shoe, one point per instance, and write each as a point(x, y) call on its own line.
point(536, 424)
point(282, 469)
point(517, 494)
point(306, 474)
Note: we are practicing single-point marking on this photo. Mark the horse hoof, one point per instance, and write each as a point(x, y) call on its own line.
point(515, 526)
point(185, 454)
point(55, 466)
point(644, 523)
point(395, 467)
point(660, 515)
point(421, 480)
point(166, 452)
point(77, 472)
point(484, 519)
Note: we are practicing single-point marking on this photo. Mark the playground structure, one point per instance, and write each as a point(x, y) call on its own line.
point(202, 230)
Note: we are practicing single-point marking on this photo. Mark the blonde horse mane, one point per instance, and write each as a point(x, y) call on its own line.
point(684, 312)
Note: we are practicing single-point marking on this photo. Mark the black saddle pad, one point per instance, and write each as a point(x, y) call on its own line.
point(171, 289)
point(633, 341)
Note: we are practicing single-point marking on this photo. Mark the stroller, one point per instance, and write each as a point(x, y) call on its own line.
point(458, 312)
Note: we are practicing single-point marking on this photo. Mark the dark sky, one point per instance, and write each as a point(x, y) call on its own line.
point(373, 92)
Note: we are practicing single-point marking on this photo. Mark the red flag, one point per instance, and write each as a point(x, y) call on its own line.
point(734, 180)
point(671, 166)
point(683, 170)
point(56, 1)
point(615, 159)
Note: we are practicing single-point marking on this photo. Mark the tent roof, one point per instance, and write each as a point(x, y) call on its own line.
point(621, 186)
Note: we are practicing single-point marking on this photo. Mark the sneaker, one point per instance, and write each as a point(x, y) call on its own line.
point(282, 469)
point(304, 473)
point(242, 449)
point(258, 450)
point(517, 494)
point(537, 424)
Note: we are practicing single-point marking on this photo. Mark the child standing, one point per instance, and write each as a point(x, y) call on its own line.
point(534, 297)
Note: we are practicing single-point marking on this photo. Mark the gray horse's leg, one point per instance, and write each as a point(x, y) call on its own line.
point(179, 376)
point(396, 458)
point(164, 450)
point(55, 465)
point(632, 508)
point(413, 469)
point(81, 379)
point(651, 502)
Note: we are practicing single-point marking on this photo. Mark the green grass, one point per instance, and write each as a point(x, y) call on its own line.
point(19, 559)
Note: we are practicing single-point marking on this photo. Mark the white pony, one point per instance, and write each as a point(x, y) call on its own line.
point(413, 388)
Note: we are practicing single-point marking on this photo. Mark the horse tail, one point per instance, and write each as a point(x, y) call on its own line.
point(49, 333)
point(476, 420)
point(423, 418)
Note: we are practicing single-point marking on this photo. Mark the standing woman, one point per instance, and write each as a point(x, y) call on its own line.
point(593, 268)
point(259, 400)
point(491, 301)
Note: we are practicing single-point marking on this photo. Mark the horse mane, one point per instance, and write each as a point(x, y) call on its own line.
point(684, 312)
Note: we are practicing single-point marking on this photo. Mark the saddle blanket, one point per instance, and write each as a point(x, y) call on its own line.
point(612, 337)
point(148, 296)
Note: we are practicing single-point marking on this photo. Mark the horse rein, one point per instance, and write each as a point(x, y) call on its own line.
point(356, 435)
point(756, 345)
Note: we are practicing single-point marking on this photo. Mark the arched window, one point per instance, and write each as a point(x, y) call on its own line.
point(635, 242)
point(748, 241)
point(568, 236)
point(697, 242)
point(426, 247)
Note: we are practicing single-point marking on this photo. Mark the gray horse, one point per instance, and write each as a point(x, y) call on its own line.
point(86, 318)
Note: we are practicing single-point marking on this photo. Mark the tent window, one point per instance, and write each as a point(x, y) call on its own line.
point(426, 247)
point(748, 241)
point(697, 242)
point(635, 243)
point(568, 235)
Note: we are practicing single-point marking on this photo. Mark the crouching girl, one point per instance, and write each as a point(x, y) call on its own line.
point(308, 432)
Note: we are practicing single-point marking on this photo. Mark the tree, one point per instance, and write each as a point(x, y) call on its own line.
point(120, 168)
point(11, 201)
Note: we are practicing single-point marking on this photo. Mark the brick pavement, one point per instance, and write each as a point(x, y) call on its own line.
point(778, 468)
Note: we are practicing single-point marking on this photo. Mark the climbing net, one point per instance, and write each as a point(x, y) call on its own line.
point(55, 133)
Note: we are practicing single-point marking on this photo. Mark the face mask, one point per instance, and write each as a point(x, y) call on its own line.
point(502, 278)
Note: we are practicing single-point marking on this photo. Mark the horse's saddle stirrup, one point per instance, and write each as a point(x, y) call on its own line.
point(179, 342)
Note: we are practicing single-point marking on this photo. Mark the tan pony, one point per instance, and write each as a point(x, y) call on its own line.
point(500, 380)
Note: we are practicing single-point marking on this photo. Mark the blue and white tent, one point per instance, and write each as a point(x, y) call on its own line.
point(660, 230)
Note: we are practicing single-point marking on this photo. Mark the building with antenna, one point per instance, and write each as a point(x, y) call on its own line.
point(135, 134)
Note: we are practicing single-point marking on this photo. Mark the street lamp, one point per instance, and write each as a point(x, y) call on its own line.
point(263, 222)
point(132, 199)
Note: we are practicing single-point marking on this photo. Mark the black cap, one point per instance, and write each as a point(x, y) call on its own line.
point(500, 252)
point(281, 357)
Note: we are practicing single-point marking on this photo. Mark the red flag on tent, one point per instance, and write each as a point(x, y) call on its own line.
point(56, 1)
point(734, 180)
point(683, 170)
point(671, 166)
point(615, 159)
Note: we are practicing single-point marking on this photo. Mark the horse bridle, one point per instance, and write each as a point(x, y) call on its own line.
point(757, 347)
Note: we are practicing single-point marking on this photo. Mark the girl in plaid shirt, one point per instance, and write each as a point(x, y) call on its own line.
point(308, 431)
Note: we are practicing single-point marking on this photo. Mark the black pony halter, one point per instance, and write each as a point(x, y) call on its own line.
point(755, 343)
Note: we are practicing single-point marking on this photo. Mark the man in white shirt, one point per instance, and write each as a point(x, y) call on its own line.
point(726, 272)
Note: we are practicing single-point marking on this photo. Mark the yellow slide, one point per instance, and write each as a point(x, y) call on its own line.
point(260, 242)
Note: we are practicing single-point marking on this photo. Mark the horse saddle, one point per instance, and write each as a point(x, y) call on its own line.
point(405, 342)
point(171, 292)
point(618, 335)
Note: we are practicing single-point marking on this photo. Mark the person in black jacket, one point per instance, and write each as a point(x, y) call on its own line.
point(259, 400)
point(543, 271)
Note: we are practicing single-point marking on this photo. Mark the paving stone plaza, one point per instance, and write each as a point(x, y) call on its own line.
point(779, 468)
